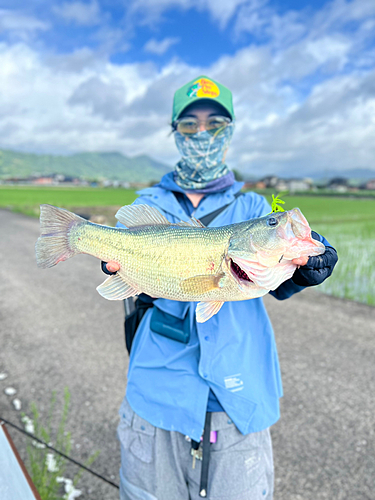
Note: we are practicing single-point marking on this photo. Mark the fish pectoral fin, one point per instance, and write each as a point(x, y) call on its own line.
point(203, 283)
point(116, 288)
point(141, 215)
point(205, 310)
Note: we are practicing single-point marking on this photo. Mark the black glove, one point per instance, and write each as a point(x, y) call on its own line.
point(105, 270)
point(317, 268)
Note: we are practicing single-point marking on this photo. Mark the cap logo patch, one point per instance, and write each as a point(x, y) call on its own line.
point(203, 88)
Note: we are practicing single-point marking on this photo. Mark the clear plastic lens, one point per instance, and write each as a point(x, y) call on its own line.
point(189, 126)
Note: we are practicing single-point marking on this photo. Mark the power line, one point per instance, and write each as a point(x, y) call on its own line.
point(2, 420)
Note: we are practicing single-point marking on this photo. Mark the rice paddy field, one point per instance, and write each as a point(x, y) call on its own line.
point(347, 223)
point(26, 199)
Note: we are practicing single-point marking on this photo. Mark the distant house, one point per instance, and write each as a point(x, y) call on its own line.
point(270, 181)
point(57, 179)
point(370, 184)
point(280, 185)
point(339, 184)
point(299, 185)
point(43, 181)
point(253, 185)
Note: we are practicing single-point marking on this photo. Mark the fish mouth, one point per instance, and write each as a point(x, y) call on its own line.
point(239, 272)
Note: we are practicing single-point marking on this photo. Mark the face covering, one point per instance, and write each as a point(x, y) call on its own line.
point(202, 157)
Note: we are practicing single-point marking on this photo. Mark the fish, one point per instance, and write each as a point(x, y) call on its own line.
point(184, 261)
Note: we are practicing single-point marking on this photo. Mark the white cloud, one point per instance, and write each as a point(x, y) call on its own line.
point(304, 100)
point(16, 24)
point(160, 47)
point(151, 11)
point(52, 109)
point(84, 14)
point(332, 128)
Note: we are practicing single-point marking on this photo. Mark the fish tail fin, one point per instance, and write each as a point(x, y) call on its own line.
point(53, 245)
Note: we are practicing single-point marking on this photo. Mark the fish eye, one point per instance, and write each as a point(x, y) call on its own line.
point(272, 222)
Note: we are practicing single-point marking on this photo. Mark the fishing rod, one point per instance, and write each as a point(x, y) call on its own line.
point(3, 420)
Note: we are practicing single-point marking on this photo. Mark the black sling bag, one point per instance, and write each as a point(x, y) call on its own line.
point(136, 309)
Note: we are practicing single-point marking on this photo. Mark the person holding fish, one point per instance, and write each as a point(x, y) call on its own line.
point(204, 382)
point(221, 379)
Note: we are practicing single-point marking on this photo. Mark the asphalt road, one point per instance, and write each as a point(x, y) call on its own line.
point(56, 331)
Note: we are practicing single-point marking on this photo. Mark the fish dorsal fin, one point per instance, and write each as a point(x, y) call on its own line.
point(197, 222)
point(182, 223)
point(141, 215)
point(202, 284)
point(192, 222)
point(115, 288)
point(205, 310)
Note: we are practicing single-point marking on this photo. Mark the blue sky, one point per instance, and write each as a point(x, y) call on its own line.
point(99, 75)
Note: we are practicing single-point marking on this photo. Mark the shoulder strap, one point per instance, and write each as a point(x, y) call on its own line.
point(207, 219)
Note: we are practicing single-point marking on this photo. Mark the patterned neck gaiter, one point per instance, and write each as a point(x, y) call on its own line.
point(202, 158)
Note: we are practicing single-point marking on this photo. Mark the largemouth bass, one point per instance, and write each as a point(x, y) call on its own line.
point(185, 261)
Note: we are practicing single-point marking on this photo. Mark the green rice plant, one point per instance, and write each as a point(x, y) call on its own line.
point(348, 224)
point(26, 199)
point(354, 274)
point(319, 209)
point(45, 467)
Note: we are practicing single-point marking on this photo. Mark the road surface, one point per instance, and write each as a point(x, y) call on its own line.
point(56, 331)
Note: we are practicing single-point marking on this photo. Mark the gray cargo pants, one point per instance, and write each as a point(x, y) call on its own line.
point(157, 464)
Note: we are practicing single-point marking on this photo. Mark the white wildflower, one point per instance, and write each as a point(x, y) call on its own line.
point(51, 463)
point(10, 391)
point(17, 404)
point(3, 376)
point(36, 444)
point(70, 491)
point(29, 424)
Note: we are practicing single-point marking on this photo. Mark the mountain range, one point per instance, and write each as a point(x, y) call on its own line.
point(116, 166)
point(91, 166)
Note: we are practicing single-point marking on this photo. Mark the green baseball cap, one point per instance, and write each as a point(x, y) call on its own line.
point(201, 87)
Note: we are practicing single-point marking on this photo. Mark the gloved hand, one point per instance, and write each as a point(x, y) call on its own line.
point(110, 267)
point(317, 269)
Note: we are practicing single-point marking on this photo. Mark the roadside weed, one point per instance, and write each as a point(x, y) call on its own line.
point(47, 468)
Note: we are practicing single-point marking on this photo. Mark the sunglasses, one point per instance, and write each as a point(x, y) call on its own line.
point(190, 125)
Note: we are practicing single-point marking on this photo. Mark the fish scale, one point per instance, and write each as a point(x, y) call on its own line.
point(185, 261)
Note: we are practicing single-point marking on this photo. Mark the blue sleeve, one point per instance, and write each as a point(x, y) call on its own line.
point(255, 205)
point(286, 290)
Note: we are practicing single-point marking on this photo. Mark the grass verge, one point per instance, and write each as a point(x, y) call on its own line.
point(46, 468)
